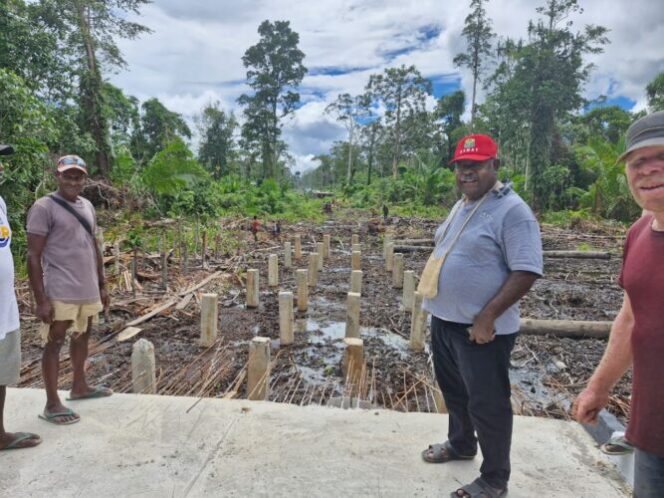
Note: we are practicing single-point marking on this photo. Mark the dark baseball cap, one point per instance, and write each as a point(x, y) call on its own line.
point(645, 132)
point(6, 150)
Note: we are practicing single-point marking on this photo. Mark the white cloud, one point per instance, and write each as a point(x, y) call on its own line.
point(194, 55)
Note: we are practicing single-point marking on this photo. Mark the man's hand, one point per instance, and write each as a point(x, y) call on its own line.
point(44, 311)
point(482, 331)
point(588, 404)
point(105, 299)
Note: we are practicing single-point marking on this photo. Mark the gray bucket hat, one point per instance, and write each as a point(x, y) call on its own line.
point(644, 132)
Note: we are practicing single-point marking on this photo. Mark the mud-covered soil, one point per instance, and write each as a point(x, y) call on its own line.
point(547, 371)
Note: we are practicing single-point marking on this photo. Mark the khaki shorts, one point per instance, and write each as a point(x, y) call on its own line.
point(78, 314)
point(10, 358)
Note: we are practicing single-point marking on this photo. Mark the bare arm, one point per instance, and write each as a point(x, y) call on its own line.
point(616, 361)
point(36, 244)
point(514, 288)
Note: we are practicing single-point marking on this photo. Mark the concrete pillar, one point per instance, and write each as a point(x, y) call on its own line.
point(258, 369)
point(356, 281)
point(253, 286)
point(313, 269)
point(353, 364)
point(327, 245)
point(143, 376)
point(389, 256)
point(320, 249)
point(356, 260)
point(288, 255)
point(209, 319)
point(356, 247)
point(353, 315)
point(273, 270)
point(302, 278)
point(417, 323)
point(355, 239)
point(286, 318)
point(386, 240)
point(408, 290)
point(397, 271)
point(298, 246)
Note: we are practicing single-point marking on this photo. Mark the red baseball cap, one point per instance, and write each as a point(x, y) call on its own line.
point(475, 148)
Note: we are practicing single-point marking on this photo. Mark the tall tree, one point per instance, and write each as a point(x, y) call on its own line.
point(159, 127)
point(217, 148)
point(449, 110)
point(350, 110)
point(655, 93)
point(402, 91)
point(88, 30)
point(274, 71)
point(479, 35)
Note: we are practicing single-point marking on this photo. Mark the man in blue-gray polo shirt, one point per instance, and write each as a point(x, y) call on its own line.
point(492, 256)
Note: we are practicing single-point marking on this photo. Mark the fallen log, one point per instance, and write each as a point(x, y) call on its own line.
point(578, 254)
point(414, 242)
point(566, 328)
point(403, 248)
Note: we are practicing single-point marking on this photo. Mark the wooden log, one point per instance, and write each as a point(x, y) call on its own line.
point(403, 248)
point(578, 254)
point(566, 328)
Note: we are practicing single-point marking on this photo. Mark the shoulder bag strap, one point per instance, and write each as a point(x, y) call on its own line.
point(80, 218)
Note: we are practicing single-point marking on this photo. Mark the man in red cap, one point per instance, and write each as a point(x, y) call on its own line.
point(10, 334)
point(67, 279)
point(488, 254)
point(637, 334)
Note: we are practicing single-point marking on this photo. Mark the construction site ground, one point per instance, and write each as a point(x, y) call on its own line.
point(156, 446)
point(547, 371)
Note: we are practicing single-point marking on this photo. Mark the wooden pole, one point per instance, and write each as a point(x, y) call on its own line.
point(355, 239)
point(353, 315)
point(302, 290)
point(258, 369)
point(253, 287)
point(286, 318)
point(116, 253)
point(209, 319)
point(164, 265)
point(143, 371)
point(566, 328)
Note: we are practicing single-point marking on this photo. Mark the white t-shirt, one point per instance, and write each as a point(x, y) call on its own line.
point(9, 320)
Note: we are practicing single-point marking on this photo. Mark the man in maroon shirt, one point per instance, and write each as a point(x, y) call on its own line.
point(637, 335)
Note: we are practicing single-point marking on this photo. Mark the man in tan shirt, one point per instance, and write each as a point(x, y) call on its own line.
point(67, 278)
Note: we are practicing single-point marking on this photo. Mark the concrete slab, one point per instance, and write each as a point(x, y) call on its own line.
point(156, 446)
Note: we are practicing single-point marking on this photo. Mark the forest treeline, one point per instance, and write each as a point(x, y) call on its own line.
point(557, 148)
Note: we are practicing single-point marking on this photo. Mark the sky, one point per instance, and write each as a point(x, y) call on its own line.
point(194, 55)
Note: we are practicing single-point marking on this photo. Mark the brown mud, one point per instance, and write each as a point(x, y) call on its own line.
point(546, 371)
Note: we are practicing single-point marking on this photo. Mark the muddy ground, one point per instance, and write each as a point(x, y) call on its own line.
point(546, 371)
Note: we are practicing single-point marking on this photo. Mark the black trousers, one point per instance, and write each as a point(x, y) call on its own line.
point(474, 379)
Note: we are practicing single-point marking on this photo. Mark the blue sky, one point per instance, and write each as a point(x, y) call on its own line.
point(193, 57)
